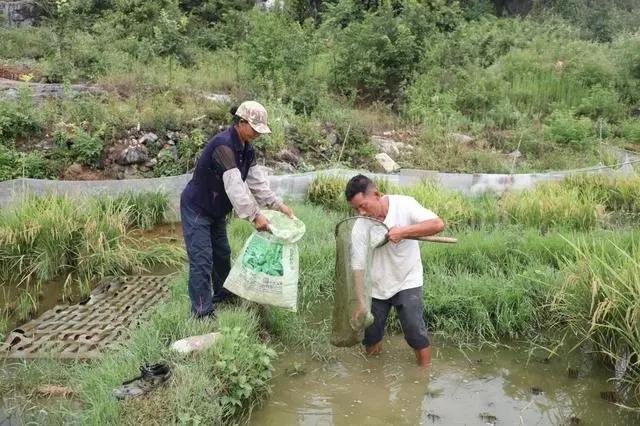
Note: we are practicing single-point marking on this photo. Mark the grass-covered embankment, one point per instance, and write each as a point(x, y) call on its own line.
point(213, 387)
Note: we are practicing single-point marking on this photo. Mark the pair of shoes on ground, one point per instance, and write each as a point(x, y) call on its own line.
point(151, 377)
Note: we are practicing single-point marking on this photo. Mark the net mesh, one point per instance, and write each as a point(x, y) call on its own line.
point(356, 240)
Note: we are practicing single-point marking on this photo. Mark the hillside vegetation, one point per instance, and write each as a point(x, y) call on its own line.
point(554, 89)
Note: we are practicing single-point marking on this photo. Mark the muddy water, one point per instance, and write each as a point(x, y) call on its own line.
point(498, 386)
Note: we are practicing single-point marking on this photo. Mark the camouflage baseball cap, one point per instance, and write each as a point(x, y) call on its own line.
point(255, 114)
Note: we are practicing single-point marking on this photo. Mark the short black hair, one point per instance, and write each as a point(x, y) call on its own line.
point(356, 185)
point(236, 118)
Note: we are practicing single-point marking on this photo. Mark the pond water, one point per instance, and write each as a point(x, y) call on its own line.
point(495, 386)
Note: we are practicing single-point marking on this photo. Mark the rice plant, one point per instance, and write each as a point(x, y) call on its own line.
point(43, 237)
point(550, 205)
point(599, 301)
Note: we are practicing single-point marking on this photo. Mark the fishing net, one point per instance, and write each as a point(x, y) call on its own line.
point(356, 240)
point(266, 270)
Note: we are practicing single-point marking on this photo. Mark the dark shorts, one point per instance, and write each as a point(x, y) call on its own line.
point(409, 305)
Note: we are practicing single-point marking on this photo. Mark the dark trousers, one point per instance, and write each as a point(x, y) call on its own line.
point(209, 258)
point(409, 305)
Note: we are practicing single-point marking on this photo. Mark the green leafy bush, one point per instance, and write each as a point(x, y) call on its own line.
point(602, 102)
point(630, 129)
point(20, 119)
point(243, 367)
point(278, 50)
point(15, 164)
point(563, 127)
point(78, 145)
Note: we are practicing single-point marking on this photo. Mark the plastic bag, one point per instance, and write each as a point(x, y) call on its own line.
point(356, 239)
point(266, 270)
point(195, 343)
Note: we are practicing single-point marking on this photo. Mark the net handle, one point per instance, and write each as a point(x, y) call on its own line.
point(432, 239)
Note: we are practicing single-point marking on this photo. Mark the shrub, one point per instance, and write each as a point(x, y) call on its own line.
point(562, 127)
point(167, 165)
point(18, 123)
point(630, 130)
point(189, 149)
point(79, 145)
point(243, 367)
point(279, 48)
point(601, 102)
point(15, 164)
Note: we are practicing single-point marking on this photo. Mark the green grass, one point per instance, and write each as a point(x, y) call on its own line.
point(599, 301)
point(218, 386)
point(80, 242)
point(501, 282)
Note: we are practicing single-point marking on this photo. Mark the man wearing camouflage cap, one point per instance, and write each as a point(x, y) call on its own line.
point(225, 178)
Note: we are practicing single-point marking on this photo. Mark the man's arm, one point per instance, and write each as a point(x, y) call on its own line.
point(259, 186)
point(424, 223)
point(243, 204)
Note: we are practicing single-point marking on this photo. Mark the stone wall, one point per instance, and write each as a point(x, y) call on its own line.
point(295, 186)
point(20, 13)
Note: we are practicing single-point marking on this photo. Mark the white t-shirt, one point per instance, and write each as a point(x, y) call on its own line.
point(395, 267)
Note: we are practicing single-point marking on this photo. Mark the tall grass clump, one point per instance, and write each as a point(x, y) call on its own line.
point(551, 205)
point(328, 191)
point(486, 307)
point(145, 209)
point(616, 193)
point(599, 301)
point(43, 237)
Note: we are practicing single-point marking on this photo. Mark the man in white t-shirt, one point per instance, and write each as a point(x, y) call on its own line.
point(396, 268)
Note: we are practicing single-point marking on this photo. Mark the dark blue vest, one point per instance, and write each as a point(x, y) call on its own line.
point(205, 191)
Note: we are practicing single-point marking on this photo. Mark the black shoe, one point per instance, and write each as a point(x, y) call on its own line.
point(228, 299)
point(209, 315)
point(151, 377)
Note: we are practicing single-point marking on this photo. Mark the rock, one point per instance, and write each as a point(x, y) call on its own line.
point(151, 163)
point(332, 138)
point(290, 157)
point(404, 147)
point(73, 171)
point(144, 169)
point(459, 137)
point(217, 97)
point(386, 163)
point(172, 136)
point(78, 172)
point(148, 137)
point(130, 172)
point(133, 155)
point(514, 156)
point(387, 146)
point(285, 167)
point(45, 145)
